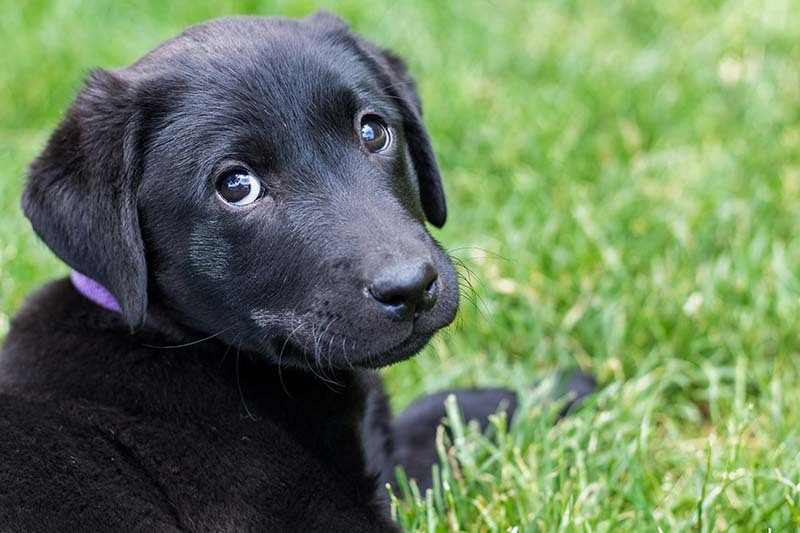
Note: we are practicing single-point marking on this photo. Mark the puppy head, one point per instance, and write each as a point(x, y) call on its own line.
point(267, 180)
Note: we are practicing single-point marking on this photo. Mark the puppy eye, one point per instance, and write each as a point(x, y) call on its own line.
point(239, 187)
point(374, 134)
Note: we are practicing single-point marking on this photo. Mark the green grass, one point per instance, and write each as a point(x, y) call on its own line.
point(624, 181)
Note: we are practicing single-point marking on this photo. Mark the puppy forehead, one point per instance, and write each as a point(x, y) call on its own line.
point(279, 56)
point(242, 72)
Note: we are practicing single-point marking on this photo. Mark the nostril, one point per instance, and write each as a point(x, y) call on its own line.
point(392, 301)
point(431, 287)
point(431, 294)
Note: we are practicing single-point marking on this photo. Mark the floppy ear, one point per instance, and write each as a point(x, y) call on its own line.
point(401, 86)
point(404, 87)
point(80, 196)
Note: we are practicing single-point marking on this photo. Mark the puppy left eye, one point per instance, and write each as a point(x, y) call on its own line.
point(239, 187)
point(374, 134)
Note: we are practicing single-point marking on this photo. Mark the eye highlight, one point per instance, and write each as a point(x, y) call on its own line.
point(239, 187)
point(374, 134)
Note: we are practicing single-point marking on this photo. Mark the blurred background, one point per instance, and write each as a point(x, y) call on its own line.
point(623, 182)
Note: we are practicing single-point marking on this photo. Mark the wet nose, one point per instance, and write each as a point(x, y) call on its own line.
point(405, 290)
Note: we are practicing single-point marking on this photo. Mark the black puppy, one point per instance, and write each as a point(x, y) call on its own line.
point(246, 208)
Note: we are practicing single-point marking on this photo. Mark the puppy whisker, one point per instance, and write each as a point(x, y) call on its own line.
point(466, 286)
point(344, 353)
point(239, 384)
point(333, 381)
point(280, 356)
point(489, 253)
point(330, 355)
point(228, 349)
point(314, 366)
point(173, 346)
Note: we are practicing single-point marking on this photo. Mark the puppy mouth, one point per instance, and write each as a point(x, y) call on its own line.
point(338, 351)
point(324, 337)
point(406, 349)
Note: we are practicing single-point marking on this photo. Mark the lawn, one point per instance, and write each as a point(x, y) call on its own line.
point(624, 187)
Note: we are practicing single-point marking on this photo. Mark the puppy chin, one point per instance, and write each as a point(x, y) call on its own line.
point(304, 342)
point(405, 350)
point(333, 353)
point(410, 346)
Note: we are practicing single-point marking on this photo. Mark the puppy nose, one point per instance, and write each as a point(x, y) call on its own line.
point(405, 290)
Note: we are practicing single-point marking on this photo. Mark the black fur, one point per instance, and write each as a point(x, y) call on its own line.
point(234, 392)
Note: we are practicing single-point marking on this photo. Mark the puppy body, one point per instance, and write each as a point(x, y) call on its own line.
point(102, 433)
point(232, 390)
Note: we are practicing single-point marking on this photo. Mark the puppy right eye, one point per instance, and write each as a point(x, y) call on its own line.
point(239, 187)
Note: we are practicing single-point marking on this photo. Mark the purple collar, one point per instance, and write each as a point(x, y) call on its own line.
point(94, 291)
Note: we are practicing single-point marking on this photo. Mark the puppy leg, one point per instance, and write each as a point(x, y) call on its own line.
point(414, 430)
